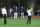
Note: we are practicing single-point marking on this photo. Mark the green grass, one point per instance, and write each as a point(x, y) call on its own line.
point(19, 22)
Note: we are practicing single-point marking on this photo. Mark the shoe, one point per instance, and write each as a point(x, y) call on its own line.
point(29, 23)
point(5, 23)
point(26, 23)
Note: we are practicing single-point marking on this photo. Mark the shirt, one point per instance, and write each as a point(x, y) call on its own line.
point(29, 12)
point(16, 10)
point(22, 10)
point(10, 10)
point(4, 11)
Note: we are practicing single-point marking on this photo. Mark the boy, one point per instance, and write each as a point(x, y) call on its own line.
point(11, 12)
point(15, 12)
point(29, 16)
point(22, 12)
point(4, 12)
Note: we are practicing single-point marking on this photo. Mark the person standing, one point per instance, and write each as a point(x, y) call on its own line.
point(4, 12)
point(29, 16)
point(15, 12)
point(11, 13)
point(14, 7)
point(22, 12)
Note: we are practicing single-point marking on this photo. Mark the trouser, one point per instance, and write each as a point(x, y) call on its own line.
point(29, 19)
point(11, 14)
point(15, 15)
point(5, 19)
point(22, 15)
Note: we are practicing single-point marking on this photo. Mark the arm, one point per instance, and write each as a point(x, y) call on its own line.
point(6, 12)
point(2, 12)
point(31, 9)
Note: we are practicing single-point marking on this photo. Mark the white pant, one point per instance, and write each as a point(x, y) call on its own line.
point(15, 15)
point(22, 15)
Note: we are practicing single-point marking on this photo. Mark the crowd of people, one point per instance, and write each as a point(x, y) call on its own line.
point(15, 10)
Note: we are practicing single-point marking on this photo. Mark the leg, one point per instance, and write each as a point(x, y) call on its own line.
point(10, 15)
point(23, 15)
point(30, 20)
point(27, 20)
point(5, 22)
point(14, 15)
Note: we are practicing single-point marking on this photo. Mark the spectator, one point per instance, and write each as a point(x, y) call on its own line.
point(15, 12)
point(22, 12)
point(11, 13)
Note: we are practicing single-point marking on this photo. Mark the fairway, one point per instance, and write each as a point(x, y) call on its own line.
point(20, 22)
